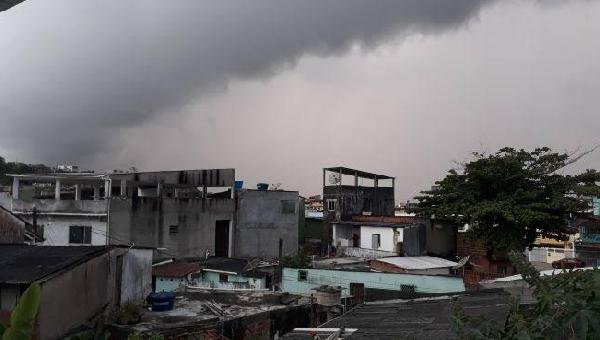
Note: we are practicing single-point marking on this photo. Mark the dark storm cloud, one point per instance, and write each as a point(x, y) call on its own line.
point(76, 73)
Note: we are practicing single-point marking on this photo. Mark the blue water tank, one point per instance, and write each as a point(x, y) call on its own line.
point(239, 185)
point(162, 301)
point(262, 186)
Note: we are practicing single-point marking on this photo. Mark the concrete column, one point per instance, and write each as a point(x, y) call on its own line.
point(15, 188)
point(159, 189)
point(123, 188)
point(356, 178)
point(376, 182)
point(231, 240)
point(78, 192)
point(107, 188)
point(96, 192)
point(57, 190)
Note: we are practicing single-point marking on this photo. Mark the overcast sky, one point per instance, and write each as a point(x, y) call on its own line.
point(279, 89)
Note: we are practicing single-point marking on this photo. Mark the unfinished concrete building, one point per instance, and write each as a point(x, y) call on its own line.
point(181, 213)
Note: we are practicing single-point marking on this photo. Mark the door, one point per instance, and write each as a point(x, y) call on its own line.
point(222, 238)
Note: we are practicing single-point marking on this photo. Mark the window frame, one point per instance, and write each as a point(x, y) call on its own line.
point(86, 234)
point(332, 201)
point(302, 275)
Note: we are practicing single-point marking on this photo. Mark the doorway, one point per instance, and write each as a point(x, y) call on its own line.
point(222, 238)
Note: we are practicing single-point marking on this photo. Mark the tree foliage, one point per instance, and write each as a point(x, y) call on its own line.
point(567, 306)
point(19, 168)
point(23, 316)
point(510, 197)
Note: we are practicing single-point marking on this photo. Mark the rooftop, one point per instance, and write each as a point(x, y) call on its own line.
point(175, 269)
point(418, 262)
point(25, 264)
point(202, 308)
point(359, 173)
point(427, 318)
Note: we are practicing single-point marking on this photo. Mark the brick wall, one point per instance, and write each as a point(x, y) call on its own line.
point(466, 246)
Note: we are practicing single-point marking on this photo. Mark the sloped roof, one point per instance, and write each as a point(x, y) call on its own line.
point(418, 262)
point(176, 269)
point(6, 4)
point(26, 264)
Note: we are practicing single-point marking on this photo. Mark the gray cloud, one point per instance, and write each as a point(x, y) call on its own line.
point(76, 74)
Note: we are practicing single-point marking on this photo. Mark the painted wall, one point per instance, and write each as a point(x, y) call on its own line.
point(56, 229)
point(596, 203)
point(261, 223)
point(424, 284)
point(213, 278)
point(387, 237)
point(168, 284)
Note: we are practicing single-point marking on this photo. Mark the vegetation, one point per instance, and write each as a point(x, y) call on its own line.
point(18, 168)
point(128, 314)
point(567, 307)
point(512, 196)
point(23, 316)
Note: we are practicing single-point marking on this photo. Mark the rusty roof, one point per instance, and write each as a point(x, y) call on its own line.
point(176, 269)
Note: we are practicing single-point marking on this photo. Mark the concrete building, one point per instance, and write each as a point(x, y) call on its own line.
point(266, 223)
point(181, 213)
point(77, 283)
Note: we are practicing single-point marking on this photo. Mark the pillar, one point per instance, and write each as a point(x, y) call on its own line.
point(107, 188)
point(96, 192)
point(57, 190)
point(159, 189)
point(15, 188)
point(231, 240)
point(78, 192)
point(123, 188)
point(355, 178)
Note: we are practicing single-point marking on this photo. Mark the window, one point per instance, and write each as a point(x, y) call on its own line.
point(375, 241)
point(302, 275)
point(223, 278)
point(288, 207)
point(331, 205)
point(80, 234)
point(173, 229)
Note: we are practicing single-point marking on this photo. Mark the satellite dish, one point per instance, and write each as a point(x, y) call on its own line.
point(335, 179)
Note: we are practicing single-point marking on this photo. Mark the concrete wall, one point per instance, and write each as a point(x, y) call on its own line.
point(424, 284)
point(60, 206)
point(12, 229)
point(387, 237)
point(136, 281)
point(70, 299)
point(353, 200)
point(74, 296)
point(441, 239)
point(146, 222)
point(342, 235)
point(261, 224)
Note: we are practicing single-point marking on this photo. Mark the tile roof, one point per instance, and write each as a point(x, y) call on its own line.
point(25, 264)
point(176, 269)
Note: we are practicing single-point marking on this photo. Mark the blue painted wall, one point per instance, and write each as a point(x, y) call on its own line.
point(429, 284)
point(168, 284)
point(214, 278)
point(596, 203)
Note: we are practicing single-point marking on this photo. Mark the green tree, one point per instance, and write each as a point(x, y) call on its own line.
point(510, 197)
point(567, 307)
point(23, 315)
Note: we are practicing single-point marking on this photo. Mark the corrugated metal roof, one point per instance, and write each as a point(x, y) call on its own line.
point(418, 262)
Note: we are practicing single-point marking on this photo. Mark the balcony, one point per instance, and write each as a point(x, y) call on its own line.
point(60, 207)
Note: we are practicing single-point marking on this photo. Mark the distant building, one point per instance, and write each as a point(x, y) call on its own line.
point(77, 283)
point(169, 277)
point(181, 213)
point(67, 168)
